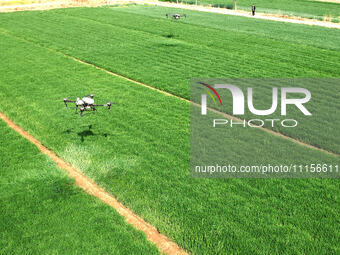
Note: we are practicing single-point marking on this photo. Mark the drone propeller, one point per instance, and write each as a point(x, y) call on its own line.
point(109, 105)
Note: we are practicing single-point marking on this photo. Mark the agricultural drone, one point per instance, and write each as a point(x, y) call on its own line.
point(86, 103)
point(176, 16)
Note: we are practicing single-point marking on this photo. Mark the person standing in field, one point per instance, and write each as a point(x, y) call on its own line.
point(253, 8)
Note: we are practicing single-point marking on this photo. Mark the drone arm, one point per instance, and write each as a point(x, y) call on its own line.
point(107, 104)
point(68, 101)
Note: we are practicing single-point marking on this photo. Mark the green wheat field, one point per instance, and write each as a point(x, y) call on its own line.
point(140, 151)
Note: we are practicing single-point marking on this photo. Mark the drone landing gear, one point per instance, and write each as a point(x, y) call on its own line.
point(82, 109)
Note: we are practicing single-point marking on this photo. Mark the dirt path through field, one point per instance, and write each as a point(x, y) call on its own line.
point(329, 1)
point(60, 4)
point(40, 6)
point(164, 244)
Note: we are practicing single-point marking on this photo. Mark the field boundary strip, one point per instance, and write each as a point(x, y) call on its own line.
point(58, 4)
point(163, 243)
point(230, 117)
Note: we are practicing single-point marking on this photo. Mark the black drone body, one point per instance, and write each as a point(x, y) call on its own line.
point(176, 16)
point(85, 103)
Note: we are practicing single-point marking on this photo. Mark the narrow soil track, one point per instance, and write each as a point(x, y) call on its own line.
point(164, 244)
point(48, 5)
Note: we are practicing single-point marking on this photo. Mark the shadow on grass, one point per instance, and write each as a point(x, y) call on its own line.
point(86, 133)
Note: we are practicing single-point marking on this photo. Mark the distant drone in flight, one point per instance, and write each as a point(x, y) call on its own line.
point(176, 16)
point(85, 103)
